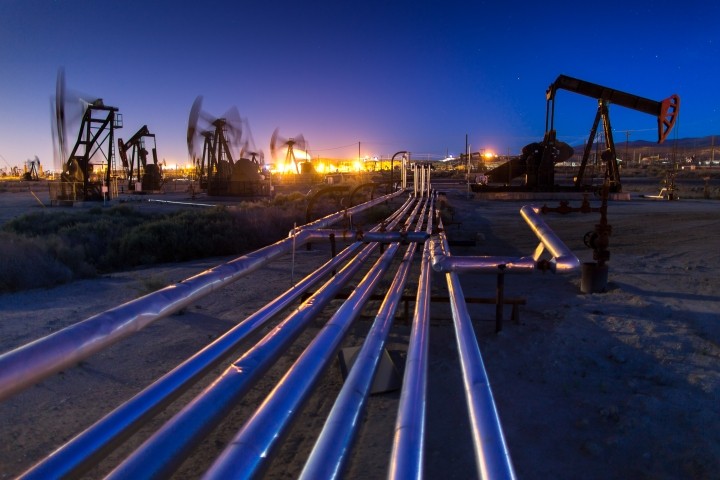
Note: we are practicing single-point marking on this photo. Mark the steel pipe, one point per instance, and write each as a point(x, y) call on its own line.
point(564, 260)
point(406, 460)
point(403, 172)
point(444, 263)
point(257, 440)
point(33, 362)
point(164, 451)
point(429, 184)
point(367, 237)
point(392, 171)
point(82, 452)
point(332, 449)
point(29, 364)
point(416, 170)
point(334, 217)
point(254, 444)
point(491, 453)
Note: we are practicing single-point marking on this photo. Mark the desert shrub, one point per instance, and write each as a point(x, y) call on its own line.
point(50, 248)
point(291, 198)
point(26, 263)
point(183, 236)
point(94, 238)
point(49, 222)
point(71, 255)
point(41, 223)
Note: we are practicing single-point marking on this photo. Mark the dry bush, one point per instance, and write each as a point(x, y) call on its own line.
point(43, 249)
point(29, 263)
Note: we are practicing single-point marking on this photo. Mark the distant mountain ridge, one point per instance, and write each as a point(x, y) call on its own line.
point(691, 146)
point(690, 142)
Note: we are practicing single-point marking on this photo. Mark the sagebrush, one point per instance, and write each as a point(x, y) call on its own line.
point(46, 248)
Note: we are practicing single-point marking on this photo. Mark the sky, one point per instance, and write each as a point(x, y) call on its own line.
point(388, 75)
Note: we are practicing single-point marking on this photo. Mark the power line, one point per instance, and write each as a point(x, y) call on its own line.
point(334, 148)
point(354, 144)
point(6, 162)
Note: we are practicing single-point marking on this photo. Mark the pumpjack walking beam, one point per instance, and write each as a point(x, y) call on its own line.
point(666, 111)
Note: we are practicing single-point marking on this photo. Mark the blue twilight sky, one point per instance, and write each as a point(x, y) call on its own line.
point(393, 74)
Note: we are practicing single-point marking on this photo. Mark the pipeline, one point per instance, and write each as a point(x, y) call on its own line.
point(421, 179)
point(259, 437)
point(491, 453)
point(164, 451)
point(84, 450)
point(332, 449)
point(31, 363)
point(375, 236)
point(255, 443)
point(406, 460)
point(187, 204)
point(562, 261)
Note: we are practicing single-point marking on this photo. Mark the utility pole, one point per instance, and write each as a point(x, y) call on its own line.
point(712, 149)
point(467, 152)
point(627, 139)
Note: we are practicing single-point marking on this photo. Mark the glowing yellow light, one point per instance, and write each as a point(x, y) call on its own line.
point(357, 167)
point(488, 154)
point(320, 168)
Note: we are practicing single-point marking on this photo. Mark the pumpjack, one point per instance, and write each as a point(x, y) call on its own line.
point(537, 162)
point(141, 175)
point(277, 143)
point(33, 169)
point(219, 172)
point(93, 147)
point(666, 112)
point(218, 157)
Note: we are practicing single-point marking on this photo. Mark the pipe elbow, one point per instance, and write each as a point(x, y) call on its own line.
point(565, 264)
point(439, 263)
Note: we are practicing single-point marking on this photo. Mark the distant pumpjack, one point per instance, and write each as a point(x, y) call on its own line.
point(137, 169)
point(218, 170)
point(33, 169)
point(94, 145)
point(277, 142)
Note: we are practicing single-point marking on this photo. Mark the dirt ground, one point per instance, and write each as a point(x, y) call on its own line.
point(622, 384)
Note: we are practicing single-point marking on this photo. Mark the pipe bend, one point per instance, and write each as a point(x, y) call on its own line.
point(439, 263)
point(565, 264)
